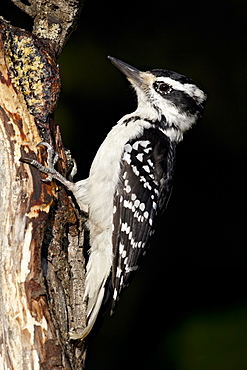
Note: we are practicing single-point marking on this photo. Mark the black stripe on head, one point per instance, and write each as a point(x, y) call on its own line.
point(174, 75)
point(185, 102)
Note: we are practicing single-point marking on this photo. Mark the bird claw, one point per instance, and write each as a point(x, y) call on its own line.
point(77, 336)
point(52, 158)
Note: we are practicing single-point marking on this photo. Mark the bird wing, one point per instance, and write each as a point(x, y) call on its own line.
point(143, 189)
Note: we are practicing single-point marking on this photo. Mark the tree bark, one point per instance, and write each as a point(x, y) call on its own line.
point(41, 229)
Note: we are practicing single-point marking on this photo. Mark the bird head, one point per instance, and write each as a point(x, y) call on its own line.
point(172, 101)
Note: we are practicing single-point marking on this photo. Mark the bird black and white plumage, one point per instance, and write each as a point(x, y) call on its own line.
point(144, 187)
point(130, 180)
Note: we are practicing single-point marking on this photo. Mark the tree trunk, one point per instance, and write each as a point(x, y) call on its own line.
point(41, 230)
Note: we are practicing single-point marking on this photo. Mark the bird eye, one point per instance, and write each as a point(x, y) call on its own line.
point(162, 87)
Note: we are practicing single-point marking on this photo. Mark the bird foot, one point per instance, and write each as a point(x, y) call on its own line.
point(52, 158)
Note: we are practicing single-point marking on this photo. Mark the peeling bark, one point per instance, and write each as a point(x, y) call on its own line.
point(41, 230)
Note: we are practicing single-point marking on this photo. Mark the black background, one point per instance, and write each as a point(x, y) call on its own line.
point(186, 309)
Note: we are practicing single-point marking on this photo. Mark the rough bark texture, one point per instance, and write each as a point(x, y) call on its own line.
point(41, 230)
point(54, 20)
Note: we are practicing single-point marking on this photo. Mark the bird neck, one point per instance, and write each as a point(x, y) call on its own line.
point(155, 118)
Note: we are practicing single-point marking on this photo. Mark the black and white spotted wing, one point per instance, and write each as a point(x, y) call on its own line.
point(144, 189)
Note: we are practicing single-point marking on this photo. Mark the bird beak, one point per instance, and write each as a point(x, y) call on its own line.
point(133, 74)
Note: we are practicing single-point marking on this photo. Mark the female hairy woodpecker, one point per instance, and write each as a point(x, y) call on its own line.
point(130, 179)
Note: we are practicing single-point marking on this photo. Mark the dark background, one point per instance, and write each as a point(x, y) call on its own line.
point(187, 307)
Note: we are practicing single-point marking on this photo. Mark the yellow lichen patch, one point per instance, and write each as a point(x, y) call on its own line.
point(32, 71)
point(54, 30)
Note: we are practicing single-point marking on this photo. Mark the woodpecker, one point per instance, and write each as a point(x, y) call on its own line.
point(130, 180)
